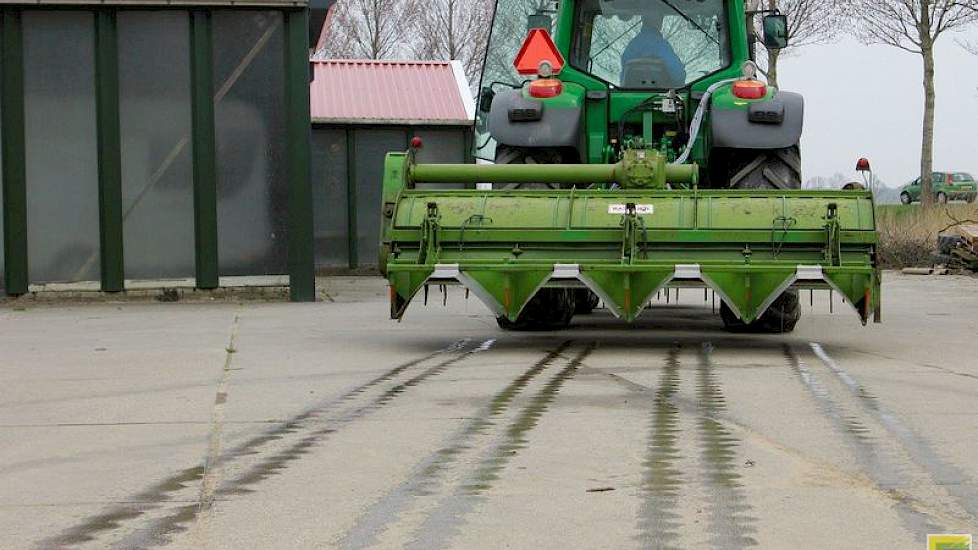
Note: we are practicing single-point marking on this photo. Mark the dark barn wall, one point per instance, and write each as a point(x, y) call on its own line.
point(329, 187)
point(62, 153)
point(157, 155)
point(154, 142)
point(347, 176)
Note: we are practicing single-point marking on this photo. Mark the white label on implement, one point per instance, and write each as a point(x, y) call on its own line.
point(640, 209)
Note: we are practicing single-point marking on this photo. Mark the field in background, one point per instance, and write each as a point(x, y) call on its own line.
point(908, 234)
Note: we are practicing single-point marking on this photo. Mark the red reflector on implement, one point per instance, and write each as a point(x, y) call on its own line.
point(546, 87)
point(537, 48)
point(750, 89)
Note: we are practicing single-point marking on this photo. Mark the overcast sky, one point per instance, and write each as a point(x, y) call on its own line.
point(868, 101)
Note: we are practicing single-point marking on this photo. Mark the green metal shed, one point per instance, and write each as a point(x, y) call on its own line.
point(155, 140)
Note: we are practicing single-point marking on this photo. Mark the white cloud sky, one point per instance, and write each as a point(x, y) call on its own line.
point(868, 101)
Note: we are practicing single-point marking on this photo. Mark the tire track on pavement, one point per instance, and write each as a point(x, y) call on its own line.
point(730, 519)
point(877, 462)
point(432, 469)
point(161, 531)
point(443, 523)
point(952, 479)
point(659, 522)
point(884, 476)
point(156, 495)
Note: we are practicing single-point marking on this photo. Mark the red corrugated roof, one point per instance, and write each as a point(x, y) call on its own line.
point(390, 92)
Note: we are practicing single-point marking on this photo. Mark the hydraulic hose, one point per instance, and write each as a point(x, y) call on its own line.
point(695, 126)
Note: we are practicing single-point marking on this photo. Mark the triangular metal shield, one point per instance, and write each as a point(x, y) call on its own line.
point(505, 292)
point(857, 288)
point(749, 293)
point(626, 292)
point(404, 285)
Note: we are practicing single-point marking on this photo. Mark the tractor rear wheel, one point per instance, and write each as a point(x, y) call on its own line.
point(587, 301)
point(773, 169)
point(780, 318)
point(550, 309)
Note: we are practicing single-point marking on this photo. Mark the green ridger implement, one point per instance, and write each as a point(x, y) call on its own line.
point(650, 164)
point(625, 245)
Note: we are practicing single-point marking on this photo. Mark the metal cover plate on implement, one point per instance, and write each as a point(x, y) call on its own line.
point(750, 246)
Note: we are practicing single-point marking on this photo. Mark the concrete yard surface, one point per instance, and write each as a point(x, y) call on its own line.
point(276, 425)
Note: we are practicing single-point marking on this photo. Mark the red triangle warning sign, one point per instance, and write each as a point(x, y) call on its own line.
point(537, 48)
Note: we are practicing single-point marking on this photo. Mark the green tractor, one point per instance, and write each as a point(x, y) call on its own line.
point(626, 147)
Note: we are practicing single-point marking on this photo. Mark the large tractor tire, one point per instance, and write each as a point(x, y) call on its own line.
point(781, 318)
point(587, 301)
point(774, 169)
point(551, 308)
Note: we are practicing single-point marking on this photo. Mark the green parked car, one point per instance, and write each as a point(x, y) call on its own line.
point(948, 186)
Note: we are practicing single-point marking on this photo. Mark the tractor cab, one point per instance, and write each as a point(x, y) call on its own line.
point(637, 45)
point(625, 56)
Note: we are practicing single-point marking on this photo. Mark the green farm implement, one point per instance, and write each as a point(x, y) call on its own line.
point(656, 160)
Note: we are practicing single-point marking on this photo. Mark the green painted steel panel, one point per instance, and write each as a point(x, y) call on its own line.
point(13, 159)
point(109, 150)
point(627, 292)
point(204, 150)
point(578, 209)
point(301, 244)
point(508, 291)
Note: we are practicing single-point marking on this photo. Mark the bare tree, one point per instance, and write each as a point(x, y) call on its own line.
point(835, 181)
point(970, 45)
point(914, 26)
point(454, 30)
point(508, 33)
point(809, 22)
point(369, 29)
